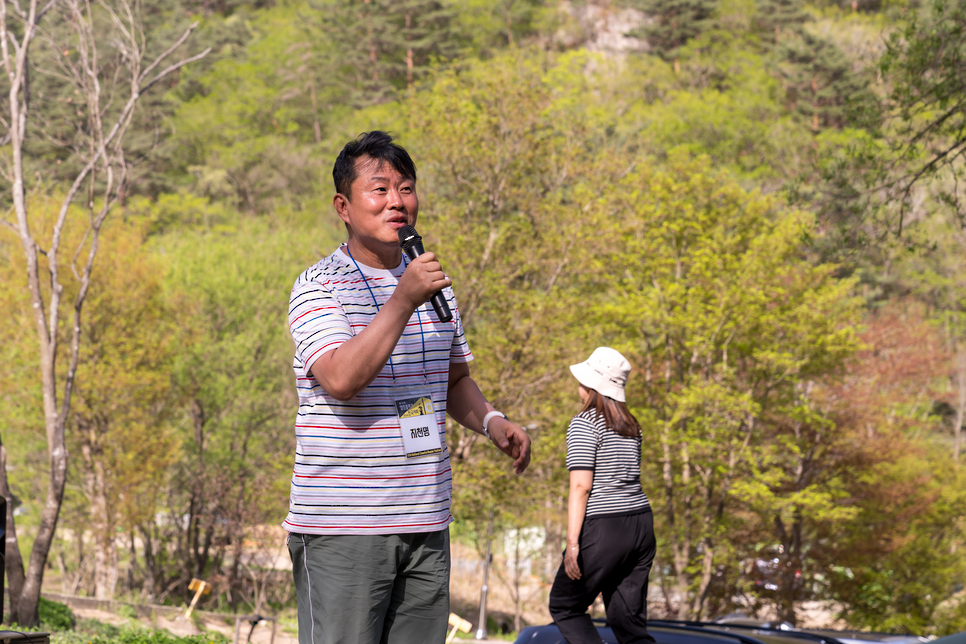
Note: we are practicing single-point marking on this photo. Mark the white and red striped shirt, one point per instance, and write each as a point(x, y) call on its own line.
point(351, 473)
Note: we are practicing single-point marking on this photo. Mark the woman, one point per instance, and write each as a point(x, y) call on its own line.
point(610, 528)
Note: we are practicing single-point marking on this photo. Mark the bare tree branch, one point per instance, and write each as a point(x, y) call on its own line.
point(47, 7)
point(100, 148)
point(175, 67)
point(170, 50)
point(6, 224)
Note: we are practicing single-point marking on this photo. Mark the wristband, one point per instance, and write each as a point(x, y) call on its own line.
point(486, 420)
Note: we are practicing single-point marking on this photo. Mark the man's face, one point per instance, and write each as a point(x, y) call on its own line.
point(382, 202)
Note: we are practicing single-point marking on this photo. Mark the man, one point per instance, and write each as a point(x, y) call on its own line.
point(376, 372)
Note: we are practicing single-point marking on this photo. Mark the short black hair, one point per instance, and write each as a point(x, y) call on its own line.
point(377, 145)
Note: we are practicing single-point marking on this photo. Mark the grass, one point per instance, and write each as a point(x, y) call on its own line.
point(64, 628)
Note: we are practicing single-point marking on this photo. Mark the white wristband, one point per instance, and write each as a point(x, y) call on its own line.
point(486, 421)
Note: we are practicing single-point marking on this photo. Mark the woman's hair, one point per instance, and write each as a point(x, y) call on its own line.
point(616, 415)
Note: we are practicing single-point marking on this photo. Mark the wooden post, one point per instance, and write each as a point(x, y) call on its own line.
point(201, 588)
point(458, 624)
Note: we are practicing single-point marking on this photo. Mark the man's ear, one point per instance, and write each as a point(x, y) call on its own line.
point(341, 207)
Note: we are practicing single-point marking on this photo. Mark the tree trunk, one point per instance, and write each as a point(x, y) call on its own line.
point(234, 580)
point(789, 569)
point(30, 596)
point(682, 549)
point(707, 566)
point(409, 56)
point(960, 404)
point(13, 560)
point(47, 319)
point(133, 566)
point(150, 566)
point(316, 127)
point(102, 526)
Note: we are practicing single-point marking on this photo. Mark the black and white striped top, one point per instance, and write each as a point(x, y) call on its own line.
point(615, 461)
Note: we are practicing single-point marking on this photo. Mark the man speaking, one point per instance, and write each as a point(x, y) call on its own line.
point(377, 371)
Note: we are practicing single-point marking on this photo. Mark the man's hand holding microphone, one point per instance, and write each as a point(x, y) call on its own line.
point(424, 280)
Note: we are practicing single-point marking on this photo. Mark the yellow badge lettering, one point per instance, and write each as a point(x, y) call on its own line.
point(421, 407)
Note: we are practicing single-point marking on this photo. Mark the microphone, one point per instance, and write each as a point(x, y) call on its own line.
point(412, 245)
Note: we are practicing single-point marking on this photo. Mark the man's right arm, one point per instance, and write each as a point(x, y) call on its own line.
point(353, 365)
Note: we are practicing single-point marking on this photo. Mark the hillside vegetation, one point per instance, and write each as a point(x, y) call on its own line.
point(757, 201)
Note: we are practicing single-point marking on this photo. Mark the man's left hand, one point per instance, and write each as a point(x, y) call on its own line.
point(512, 441)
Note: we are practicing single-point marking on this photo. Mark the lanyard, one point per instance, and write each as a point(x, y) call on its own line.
point(419, 318)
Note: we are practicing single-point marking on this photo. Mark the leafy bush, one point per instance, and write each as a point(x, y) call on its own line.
point(126, 610)
point(93, 632)
point(55, 616)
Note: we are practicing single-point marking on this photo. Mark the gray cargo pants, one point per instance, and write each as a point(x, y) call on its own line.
point(371, 589)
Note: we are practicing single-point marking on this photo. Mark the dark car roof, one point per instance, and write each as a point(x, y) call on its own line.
point(759, 633)
point(664, 634)
point(829, 635)
point(958, 638)
point(759, 629)
point(857, 637)
point(679, 632)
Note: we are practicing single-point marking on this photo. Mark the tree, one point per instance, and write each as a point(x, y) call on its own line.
point(249, 133)
point(727, 322)
point(820, 83)
point(121, 420)
point(231, 395)
point(490, 26)
point(895, 566)
point(675, 22)
point(381, 45)
point(108, 115)
point(925, 64)
point(935, 274)
point(510, 165)
point(773, 17)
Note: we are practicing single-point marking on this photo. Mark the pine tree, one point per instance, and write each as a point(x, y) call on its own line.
point(675, 22)
point(820, 83)
point(778, 16)
point(383, 45)
point(423, 32)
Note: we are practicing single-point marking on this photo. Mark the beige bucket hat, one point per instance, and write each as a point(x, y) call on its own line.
point(605, 371)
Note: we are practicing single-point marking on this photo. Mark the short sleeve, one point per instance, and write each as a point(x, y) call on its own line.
point(317, 321)
point(459, 350)
point(581, 444)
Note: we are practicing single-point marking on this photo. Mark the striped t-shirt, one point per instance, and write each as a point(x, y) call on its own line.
point(351, 473)
point(615, 461)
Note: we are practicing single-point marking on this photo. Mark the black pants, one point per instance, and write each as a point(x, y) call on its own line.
point(615, 558)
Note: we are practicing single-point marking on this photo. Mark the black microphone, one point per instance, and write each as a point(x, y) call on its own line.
point(412, 245)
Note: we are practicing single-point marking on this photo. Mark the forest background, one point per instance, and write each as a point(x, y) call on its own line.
point(757, 201)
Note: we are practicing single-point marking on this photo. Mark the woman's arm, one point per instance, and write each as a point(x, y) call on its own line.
point(581, 481)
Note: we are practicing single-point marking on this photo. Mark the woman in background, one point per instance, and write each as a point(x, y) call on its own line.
point(610, 528)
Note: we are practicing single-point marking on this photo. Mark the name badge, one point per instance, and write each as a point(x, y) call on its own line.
point(417, 422)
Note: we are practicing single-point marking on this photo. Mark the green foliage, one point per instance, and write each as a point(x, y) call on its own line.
point(820, 83)
point(729, 321)
point(510, 161)
point(913, 587)
point(92, 632)
point(576, 200)
point(247, 135)
point(385, 45)
point(773, 17)
point(675, 23)
point(55, 616)
point(878, 182)
point(490, 26)
point(925, 63)
point(231, 379)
